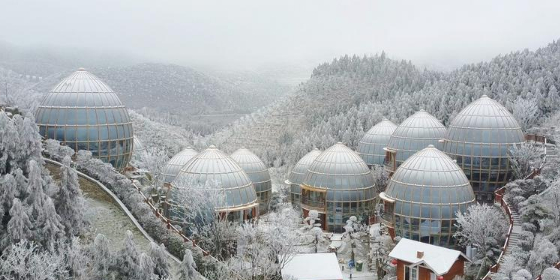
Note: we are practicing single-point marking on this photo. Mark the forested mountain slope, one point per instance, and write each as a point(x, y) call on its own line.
point(349, 95)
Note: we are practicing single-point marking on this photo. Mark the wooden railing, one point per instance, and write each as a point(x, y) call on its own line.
point(499, 198)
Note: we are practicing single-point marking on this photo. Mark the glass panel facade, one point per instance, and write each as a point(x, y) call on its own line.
point(65, 114)
point(259, 175)
point(428, 190)
point(338, 184)
point(370, 147)
point(480, 138)
point(414, 134)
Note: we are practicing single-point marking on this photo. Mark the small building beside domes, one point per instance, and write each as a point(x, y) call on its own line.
point(423, 197)
point(370, 147)
point(480, 138)
point(259, 175)
point(85, 114)
point(175, 164)
point(297, 174)
point(412, 135)
point(338, 184)
point(240, 201)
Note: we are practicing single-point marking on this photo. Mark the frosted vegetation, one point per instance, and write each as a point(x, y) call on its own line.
point(44, 223)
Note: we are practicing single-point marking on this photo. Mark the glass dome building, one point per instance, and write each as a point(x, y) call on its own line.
point(370, 148)
point(297, 174)
point(423, 197)
point(480, 138)
point(259, 175)
point(85, 114)
point(338, 184)
point(175, 164)
point(240, 201)
point(412, 135)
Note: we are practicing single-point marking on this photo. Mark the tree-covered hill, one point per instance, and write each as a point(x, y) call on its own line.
point(344, 98)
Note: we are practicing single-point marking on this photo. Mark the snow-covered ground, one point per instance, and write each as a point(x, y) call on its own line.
point(107, 218)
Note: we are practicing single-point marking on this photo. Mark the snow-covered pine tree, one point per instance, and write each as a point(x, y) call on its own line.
point(161, 265)
point(19, 226)
point(187, 269)
point(102, 258)
point(146, 268)
point(128, 257)
point(49, 229)
point(70, 204)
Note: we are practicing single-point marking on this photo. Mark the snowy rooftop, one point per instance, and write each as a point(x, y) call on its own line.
point(320, 266)
point(438, 259)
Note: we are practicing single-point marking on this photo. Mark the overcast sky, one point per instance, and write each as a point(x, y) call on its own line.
point(242, 33)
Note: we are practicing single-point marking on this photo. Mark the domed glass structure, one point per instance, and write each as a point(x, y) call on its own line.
point(338, 184)
point(480, 138)
point(212, 165)
point(85, 114)
point(175, 164)
point(412, 135)
point(423, 197)
point(370, 148)
point(258, 173)
point(295, 179)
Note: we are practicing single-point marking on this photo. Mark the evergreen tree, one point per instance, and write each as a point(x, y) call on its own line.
point(19, 226)
point(70, 203)
point(159, 257)
point(187, 269)
point(146, 268)
point(128, 258)
point(49, 227)
point(102, 259)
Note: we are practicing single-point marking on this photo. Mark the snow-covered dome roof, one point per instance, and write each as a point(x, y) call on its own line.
point(338, 168)
point(85, 114)
point(255, 169)
point(426, 180)
point(175, 164)
point(483, 121)
point(370, 148)
point(427, 190)
point(213, 164)
point(416, 133)
point(300, 169)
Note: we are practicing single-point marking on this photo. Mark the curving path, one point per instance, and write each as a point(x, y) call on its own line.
point(108, 215)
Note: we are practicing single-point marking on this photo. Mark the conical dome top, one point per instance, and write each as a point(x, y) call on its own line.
point(81, 81)
point(338, 168)
point(371, 146)
point(175, 164)
point(416, 133)
point(431, 177)
point(485, 121)
point(213, 164)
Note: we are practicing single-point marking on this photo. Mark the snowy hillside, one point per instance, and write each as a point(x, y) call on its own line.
point(349, 95)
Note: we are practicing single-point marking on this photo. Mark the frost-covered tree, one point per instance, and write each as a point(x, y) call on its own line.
point(544, 254)
point(102, 258)
point(19, 227)
point(25, 260)
point(550, 273)
point(354, 239)
point(146, 268)
point(525, 158)
point(536, 212)
point(50, 229)
point(128, 258)
point(187, 268)
point(159, 258)
point(483, 227)
point(70, 204)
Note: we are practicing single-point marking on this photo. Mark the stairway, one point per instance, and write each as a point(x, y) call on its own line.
point(513, 239)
